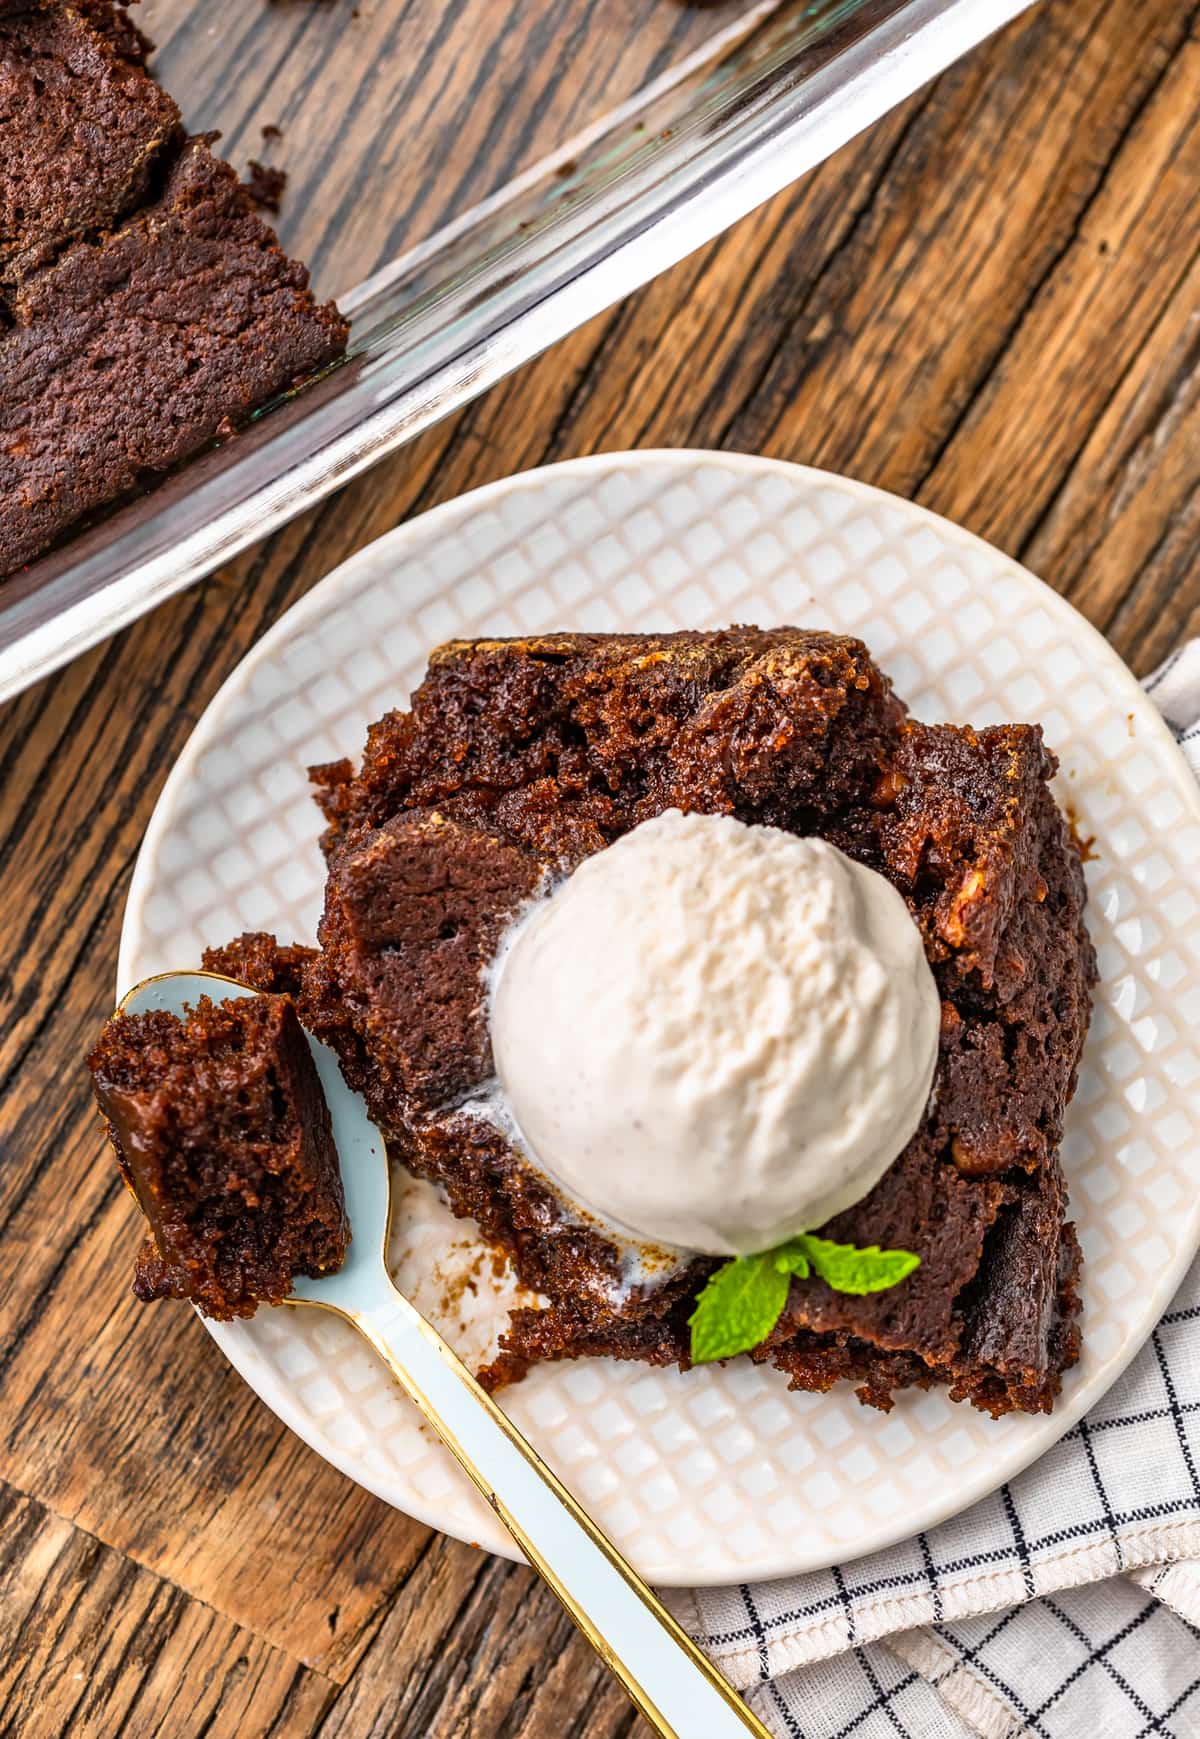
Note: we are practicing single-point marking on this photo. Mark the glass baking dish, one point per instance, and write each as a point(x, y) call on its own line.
point(472, 181)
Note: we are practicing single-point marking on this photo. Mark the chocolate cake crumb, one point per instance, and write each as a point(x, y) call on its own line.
point(257, 960)
point(265, 184)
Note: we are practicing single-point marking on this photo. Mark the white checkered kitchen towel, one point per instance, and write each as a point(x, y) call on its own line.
point(1067, 1606)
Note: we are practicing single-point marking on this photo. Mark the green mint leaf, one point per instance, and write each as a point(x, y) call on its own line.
point(792, 1258)
point(846, 1268)
point(744, 1299)
point(738, 1308)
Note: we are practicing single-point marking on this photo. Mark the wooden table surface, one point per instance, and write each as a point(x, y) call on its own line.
point(989, 303)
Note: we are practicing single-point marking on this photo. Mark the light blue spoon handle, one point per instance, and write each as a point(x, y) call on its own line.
point(671, 1681)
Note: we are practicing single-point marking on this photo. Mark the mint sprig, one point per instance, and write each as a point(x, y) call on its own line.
point(744, 1299)
point(844, 1267)
point(738, 1308)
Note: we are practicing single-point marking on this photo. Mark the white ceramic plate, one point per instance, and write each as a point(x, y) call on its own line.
point(719, 1475)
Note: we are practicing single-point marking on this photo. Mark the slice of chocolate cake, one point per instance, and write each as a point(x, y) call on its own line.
point(144, 306)
point(518, 760)
point(131, 350)
point(222, 1133)
point(83, 129)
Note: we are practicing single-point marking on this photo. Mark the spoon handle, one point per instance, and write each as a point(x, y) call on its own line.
point(678, 1691)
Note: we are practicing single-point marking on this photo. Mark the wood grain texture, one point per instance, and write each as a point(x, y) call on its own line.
point(396, 115)
point(991, 302)
point(92, 1644)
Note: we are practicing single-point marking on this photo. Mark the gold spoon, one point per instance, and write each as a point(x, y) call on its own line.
point(675, 1686)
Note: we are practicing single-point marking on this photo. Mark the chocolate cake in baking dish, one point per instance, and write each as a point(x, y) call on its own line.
point(145, 307)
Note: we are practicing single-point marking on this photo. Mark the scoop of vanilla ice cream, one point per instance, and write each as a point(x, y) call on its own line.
point(716, 1035)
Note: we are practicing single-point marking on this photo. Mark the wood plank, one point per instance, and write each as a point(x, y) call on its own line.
point(489, 1651)
point(1123, 535)
point(1111, 334)
point(92, 1645)
point(397, 117)
point(846, 350)
point(881, 351)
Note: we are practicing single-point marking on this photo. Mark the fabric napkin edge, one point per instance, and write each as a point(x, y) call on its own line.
point(1146, 1553)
